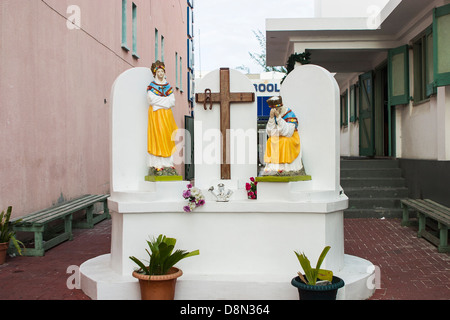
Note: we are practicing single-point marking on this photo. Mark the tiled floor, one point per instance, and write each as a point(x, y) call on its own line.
point(409, 268)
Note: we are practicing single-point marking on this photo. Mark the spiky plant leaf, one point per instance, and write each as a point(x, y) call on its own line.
point(6, 231)
point(313, 273)
point(162, 257)
point(325, 275)
point(142, 267)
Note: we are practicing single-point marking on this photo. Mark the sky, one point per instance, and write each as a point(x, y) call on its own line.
point(223, 29)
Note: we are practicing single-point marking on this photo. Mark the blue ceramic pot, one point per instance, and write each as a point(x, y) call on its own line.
point(326, 292)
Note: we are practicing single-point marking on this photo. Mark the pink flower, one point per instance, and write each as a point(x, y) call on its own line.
point(187, 209)
point(187, 194)
point(248, 186)
point(200, 203)
point(189, 186)
point(252, 179)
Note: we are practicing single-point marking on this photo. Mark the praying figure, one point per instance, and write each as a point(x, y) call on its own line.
point(283, 151)
point(161, 123)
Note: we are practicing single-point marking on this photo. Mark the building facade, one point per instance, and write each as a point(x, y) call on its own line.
point(59, 60)
point(391, 60)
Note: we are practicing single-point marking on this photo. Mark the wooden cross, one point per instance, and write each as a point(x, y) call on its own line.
point(225, 98)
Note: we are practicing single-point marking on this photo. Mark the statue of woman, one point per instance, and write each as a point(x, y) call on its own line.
point(161, 123)
point(283, 150)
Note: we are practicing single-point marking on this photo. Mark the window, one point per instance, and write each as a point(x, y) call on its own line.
point(344, 109)
point(441, 45)
point(353, 101)
point(156, 45)
point(190, 52)
point(181, 74)
point(135, 31)
point(398, 73)
point(124, 25)
point(176, 70)
point(423, 66)
point(162, 49)
point(190, 22)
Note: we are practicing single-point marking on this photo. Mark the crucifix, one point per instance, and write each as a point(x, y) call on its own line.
point(225, 98)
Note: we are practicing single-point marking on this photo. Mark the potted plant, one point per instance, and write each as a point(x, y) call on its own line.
point(7, 234)
point(315, 283)
point(157, 280)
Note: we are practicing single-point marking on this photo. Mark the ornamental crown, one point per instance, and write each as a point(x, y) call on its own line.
point(275, 102)
point(158, 65)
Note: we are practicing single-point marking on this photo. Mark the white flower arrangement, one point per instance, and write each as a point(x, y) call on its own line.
point(195, 198)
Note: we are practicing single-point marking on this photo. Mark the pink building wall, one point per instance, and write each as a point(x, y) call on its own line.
point(55, 89)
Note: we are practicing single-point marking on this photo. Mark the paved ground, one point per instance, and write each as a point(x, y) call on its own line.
point(410, 268)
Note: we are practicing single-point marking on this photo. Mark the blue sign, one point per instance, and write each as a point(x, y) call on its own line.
point(263, 108)
point(270, 87)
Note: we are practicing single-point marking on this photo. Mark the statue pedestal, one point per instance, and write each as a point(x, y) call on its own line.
point(246, 247)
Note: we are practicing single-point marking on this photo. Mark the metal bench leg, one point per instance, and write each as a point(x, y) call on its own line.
point(422, 223)
point(106, 209)
point(39, 249)
point(90, 216)
point(405, 219)
point(68, 226)
point(443, 239)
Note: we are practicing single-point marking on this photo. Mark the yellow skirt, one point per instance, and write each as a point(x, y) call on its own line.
point(282, 149)
point(161, 126)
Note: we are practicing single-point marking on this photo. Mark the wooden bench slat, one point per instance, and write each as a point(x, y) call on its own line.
point(71, 209)
point(40, 213)
point(422, 206)
point(435, 213)
point(37, 222)
point(429, 209)
point(66, 208)
point(439, 207)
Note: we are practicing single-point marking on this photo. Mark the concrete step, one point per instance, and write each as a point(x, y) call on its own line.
point(376, 192)
point(371, 173)
point(373, 203)
point(396, 182)
point(374, 188)
point(369, 163)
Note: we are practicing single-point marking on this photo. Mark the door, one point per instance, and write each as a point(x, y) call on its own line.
point(366, 115)
point(381, 111)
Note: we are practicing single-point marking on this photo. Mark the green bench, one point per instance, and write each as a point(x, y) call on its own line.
point(428, 209)
point(38, 222)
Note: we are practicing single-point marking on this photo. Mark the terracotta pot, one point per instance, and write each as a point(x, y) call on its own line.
point(158, 287)
point(326, 292)
point(3, 250)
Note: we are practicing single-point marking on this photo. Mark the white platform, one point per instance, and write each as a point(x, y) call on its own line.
point(246, 246)
point(100, 282)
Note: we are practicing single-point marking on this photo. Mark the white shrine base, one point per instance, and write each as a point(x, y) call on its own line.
point(100, 282)
point(246, 248)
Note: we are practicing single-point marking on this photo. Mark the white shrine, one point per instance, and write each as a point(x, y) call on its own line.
point(246, 246)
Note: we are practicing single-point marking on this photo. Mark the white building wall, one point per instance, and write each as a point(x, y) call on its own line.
point(422, 129)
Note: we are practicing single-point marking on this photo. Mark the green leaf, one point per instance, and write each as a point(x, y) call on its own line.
point(140, 264)
point(322, 257)
point(310, 273)
point(162, 257)
point(306, 266)
point(325, 275)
